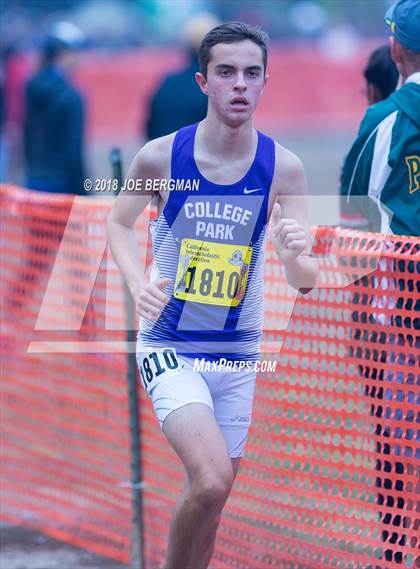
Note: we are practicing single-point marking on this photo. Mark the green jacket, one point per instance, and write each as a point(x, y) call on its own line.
point(384, 163)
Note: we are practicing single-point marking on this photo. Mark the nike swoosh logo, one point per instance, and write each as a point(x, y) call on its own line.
point(246, 191)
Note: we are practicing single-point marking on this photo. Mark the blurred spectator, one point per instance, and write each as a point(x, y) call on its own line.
point(381, 75)
point(54, 117)
point(381, 171)
point(178, 101)
point(15, 68)
point(2, 122)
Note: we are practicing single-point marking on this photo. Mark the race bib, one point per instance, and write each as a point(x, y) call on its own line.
point(212, 273)
point(157, 365)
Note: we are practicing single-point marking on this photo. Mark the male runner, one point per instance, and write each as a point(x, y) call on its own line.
point(204, 298)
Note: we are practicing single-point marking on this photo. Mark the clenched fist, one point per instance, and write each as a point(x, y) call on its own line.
point(150, 299)
point(289, 237)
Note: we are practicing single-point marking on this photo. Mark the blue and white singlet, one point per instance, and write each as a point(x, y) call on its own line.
point(210, 242)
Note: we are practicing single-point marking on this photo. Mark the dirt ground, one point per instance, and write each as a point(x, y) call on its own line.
point(22, 548)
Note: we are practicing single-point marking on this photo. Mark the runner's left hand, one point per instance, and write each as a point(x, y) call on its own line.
point(289, 237)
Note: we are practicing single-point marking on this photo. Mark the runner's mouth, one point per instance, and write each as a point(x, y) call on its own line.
point(239, 102)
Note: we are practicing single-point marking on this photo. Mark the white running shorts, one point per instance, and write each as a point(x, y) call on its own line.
point(171, 382)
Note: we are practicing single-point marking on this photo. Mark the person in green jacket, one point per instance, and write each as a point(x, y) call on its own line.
point(382, 178)
point(381, 173)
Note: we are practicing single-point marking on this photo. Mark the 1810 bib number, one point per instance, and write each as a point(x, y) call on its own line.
point(212, 273)
point(157, 363)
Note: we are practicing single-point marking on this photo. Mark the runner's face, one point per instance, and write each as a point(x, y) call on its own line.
point(235, 80)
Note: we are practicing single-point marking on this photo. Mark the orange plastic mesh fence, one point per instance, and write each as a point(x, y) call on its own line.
point(65, 431)
point(330, 476)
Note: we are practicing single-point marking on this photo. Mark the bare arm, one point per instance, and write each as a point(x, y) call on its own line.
point(290, 230)
point(150, 163)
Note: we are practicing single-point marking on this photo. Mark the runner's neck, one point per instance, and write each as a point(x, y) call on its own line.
point(224, 141)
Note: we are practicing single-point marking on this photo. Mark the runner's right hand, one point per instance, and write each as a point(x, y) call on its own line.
point(150, 299)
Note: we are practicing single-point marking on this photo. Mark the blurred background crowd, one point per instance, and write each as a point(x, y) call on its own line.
point(130, 77)
point(122, 24)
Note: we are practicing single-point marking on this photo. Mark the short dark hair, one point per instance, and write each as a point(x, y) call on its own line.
point(382, 71)
point(232, 32)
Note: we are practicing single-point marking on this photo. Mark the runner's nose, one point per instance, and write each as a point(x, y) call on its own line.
point(240, 84)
